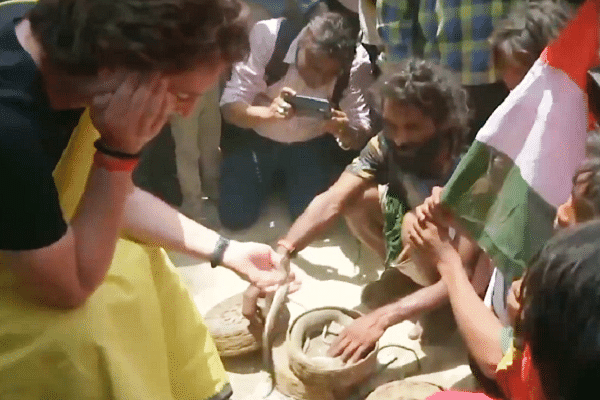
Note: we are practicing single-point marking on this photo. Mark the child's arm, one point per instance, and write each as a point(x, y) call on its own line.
point(478, 325)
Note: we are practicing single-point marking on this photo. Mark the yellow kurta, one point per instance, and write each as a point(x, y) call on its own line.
point(139, 336)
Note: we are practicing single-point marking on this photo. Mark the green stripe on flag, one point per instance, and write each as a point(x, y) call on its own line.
point(491, 200)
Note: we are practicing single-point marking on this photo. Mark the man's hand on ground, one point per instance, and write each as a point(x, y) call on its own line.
point(358, 338)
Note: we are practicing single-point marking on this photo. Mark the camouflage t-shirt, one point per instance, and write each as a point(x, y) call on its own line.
point(375, 161)
point(405, 190)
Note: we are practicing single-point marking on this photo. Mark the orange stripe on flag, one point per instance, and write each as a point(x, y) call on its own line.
point(575, 51)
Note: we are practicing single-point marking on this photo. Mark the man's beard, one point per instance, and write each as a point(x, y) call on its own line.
point(424, 162)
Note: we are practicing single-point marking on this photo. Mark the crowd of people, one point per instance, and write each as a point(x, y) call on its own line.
point(86, 285)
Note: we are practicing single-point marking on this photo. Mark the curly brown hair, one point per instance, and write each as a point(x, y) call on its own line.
point(527, 30)
point(80, 36)
point(434, 91)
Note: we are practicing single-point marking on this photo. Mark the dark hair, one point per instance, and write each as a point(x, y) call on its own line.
point(528, 28)
point(586, 182)
point(434, 90)
point(80, 36)
point(561, 312)
point(332, 34)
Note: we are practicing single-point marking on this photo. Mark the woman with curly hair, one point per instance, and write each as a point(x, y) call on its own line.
point(90, 305)
point(425, 118)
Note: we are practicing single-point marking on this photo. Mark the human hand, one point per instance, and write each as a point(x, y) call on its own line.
point(432, 244)
point(260, 265)
point(433, 210)
point(358, 338)
point(134, 114)
point(513, 306)
point(338, 125)
point(253, 293)
point(279, 108)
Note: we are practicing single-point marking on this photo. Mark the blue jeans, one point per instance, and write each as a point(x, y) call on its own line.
point(248, 173)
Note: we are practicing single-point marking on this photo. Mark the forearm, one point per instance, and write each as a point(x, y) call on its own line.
point(478, 325)
point(424, 299)
point(320, 214)
point(244, 115)
point(150, 220)
point(65, 273)
point(324, 209)
point(96, 224)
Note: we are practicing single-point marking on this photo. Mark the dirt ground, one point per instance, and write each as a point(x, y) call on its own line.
point(333, 270)
point(336, 267)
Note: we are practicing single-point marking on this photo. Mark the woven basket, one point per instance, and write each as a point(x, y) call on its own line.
point(287, 383)
point(232, 332)
point(312, 373)
point(404, 390)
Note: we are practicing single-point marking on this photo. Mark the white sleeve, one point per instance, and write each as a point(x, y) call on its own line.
point(247, 77)
point(354, 102)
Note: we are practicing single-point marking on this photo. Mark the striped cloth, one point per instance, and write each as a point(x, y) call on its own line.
point(453, 32)
point(507, 188)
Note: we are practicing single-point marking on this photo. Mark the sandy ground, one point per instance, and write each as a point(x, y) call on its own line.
point(333, 271)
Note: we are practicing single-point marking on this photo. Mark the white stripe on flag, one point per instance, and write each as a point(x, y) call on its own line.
point(542, 126)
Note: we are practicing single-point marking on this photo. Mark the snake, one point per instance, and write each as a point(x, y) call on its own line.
point(279, 299)
point(274, 303)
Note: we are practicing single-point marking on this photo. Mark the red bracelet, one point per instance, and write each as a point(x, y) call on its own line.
point(287, 245)
point(113, 164)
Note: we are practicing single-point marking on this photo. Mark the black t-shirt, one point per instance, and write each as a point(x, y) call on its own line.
point(32, 139)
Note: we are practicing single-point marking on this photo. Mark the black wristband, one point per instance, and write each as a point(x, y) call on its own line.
point(115, 153)
point(217, 255)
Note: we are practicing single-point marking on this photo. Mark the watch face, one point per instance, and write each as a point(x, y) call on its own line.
point(217, 255)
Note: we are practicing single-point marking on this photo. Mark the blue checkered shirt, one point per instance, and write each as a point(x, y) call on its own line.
point(453, 32)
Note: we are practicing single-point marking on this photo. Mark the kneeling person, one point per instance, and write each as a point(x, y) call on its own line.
point(267, 136)
point(425, 117)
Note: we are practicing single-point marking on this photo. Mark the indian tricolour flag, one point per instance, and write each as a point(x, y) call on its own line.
point(507, 188)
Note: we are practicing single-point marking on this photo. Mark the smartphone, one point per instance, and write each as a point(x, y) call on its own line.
point(310, 106)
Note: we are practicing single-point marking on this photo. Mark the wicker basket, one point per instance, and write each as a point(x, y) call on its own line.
point(315, 373)
point(287, 383)
point(404, 390)
point(232, 332)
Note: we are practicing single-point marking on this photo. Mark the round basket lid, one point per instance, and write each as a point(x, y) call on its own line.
point(404, 390)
